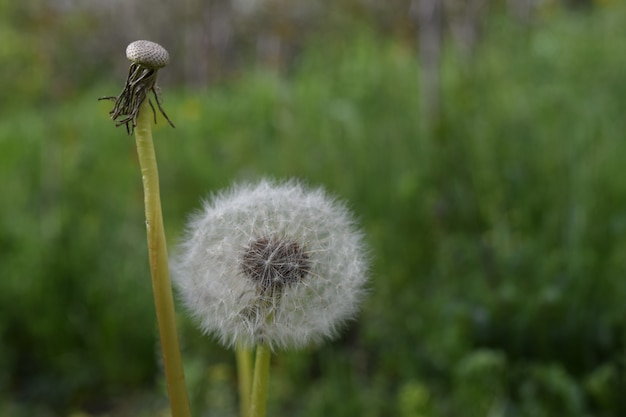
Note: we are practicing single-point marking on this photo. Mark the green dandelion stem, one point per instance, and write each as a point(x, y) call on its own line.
point(260, 381)
point(244, 377)
point(157, 249)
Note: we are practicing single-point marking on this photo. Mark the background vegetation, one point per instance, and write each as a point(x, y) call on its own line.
point(497, 237)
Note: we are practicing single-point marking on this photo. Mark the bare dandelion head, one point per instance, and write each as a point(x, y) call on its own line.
point(149, 54)
point(147, 58)
point(271, 263)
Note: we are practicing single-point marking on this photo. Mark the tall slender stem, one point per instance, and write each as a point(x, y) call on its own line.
point(260, 381)
point(244, 376)
point(157, 249)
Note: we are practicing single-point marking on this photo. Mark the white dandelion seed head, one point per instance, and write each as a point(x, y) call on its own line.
point(271, 263)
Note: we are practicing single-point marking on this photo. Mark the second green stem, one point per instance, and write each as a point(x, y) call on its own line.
point(260, 381)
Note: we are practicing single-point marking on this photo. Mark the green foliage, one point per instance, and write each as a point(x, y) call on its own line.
point(497, 241)
point(73, 310)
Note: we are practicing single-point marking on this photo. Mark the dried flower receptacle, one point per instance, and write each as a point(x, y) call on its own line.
point(146, 57)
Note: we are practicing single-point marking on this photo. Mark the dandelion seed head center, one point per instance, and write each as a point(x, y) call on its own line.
point(273, 263)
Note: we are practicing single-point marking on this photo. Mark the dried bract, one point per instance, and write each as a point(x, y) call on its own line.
point(147, 57)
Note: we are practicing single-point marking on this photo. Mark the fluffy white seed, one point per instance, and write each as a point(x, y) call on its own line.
point(148, 54)
point(303, 233)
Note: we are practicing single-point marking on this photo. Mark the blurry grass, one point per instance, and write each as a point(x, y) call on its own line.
point(497, 242)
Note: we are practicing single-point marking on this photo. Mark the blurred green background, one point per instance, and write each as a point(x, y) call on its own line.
point(489, 182)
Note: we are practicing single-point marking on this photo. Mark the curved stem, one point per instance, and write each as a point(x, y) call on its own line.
point(244, 376)
point(157, 249)
point(260, 381)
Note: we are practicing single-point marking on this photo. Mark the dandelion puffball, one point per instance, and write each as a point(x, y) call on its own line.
point(272, 263)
